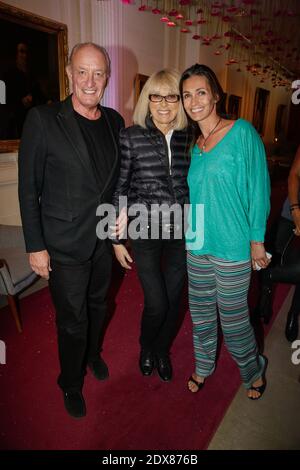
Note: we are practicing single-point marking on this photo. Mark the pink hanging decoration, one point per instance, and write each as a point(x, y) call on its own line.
point(263, 29)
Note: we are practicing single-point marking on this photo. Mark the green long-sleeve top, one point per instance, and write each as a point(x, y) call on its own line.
point(229, 195)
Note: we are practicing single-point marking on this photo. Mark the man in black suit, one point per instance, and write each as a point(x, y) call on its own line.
point(68, 165)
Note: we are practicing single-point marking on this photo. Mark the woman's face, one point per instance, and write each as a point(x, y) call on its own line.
point(198, 99)
point(163, 113)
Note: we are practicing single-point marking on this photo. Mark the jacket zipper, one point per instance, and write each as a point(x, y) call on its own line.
point(170, 182)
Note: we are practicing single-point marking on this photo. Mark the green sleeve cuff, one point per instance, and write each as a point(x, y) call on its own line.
point(257, 234)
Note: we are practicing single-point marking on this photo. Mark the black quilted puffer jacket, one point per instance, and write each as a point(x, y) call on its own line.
point(146, 176)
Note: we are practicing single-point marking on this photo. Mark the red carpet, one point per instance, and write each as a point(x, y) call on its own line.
point(128, 411)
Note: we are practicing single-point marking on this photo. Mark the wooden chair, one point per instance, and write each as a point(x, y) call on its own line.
point(15, 271)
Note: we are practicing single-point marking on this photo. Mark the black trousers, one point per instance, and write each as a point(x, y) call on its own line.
point(286, 265)
point(79, 293)
point(161, 267)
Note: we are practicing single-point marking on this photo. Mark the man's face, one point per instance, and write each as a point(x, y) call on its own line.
point(88, 76)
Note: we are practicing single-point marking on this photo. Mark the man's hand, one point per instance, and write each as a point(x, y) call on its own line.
point(27, 101)
point(40, 263)
point(258, 255)
point(123, 256)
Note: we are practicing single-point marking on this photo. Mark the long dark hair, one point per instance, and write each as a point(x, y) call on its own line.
point(202, 70)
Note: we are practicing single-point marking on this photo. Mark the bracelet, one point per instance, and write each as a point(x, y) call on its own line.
point(257, 243)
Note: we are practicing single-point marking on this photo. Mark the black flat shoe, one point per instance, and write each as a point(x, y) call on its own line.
point(75, 404)
point(147, 362)
point(99, 369)
point(164, 368)
point(291, 328)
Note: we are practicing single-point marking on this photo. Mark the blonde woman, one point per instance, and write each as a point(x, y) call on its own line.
point(154, 169)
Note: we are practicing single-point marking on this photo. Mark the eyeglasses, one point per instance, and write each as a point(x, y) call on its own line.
point(169, 98)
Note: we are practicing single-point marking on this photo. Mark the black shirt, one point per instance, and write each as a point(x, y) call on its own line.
point(98, 139)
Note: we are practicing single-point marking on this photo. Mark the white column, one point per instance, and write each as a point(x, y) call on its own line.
point(107, 30)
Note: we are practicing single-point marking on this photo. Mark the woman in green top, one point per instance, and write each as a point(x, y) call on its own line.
point(229, 196)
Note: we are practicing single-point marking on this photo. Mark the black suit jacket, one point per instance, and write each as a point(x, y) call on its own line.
point(58, 190)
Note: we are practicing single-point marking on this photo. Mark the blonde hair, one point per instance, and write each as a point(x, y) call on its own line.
point(169, 78)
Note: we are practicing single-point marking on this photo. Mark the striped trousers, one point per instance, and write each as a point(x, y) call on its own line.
point(214, 282)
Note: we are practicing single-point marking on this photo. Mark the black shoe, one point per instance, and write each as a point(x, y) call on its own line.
point(164, 368)
point(146, 362)
point(291, 328)
point(99, 368)
point(75, 404)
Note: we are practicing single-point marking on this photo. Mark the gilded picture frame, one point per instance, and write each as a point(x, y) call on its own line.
point(48, 42)
point(139, 82)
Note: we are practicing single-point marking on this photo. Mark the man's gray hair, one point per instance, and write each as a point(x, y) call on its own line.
point(101, 49)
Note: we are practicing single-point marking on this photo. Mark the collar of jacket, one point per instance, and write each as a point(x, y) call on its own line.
point(151, 126)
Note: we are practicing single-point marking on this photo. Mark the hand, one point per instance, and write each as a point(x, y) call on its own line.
point(296, 219)
point(258, 255)
point(123, 256)
point(27, 101)
point(40, 263)
point(121, 223)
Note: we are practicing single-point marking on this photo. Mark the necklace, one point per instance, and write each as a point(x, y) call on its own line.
point(201, 149)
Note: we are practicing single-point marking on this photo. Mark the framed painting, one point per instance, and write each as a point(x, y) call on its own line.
point(234, 106)
point(33, 57)
point(222, 104)
point(280, 120)
point(261, 102)
point(139, 82)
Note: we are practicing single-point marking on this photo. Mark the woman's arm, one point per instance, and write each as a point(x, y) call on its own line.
point(122, 186)
point(258, 183)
